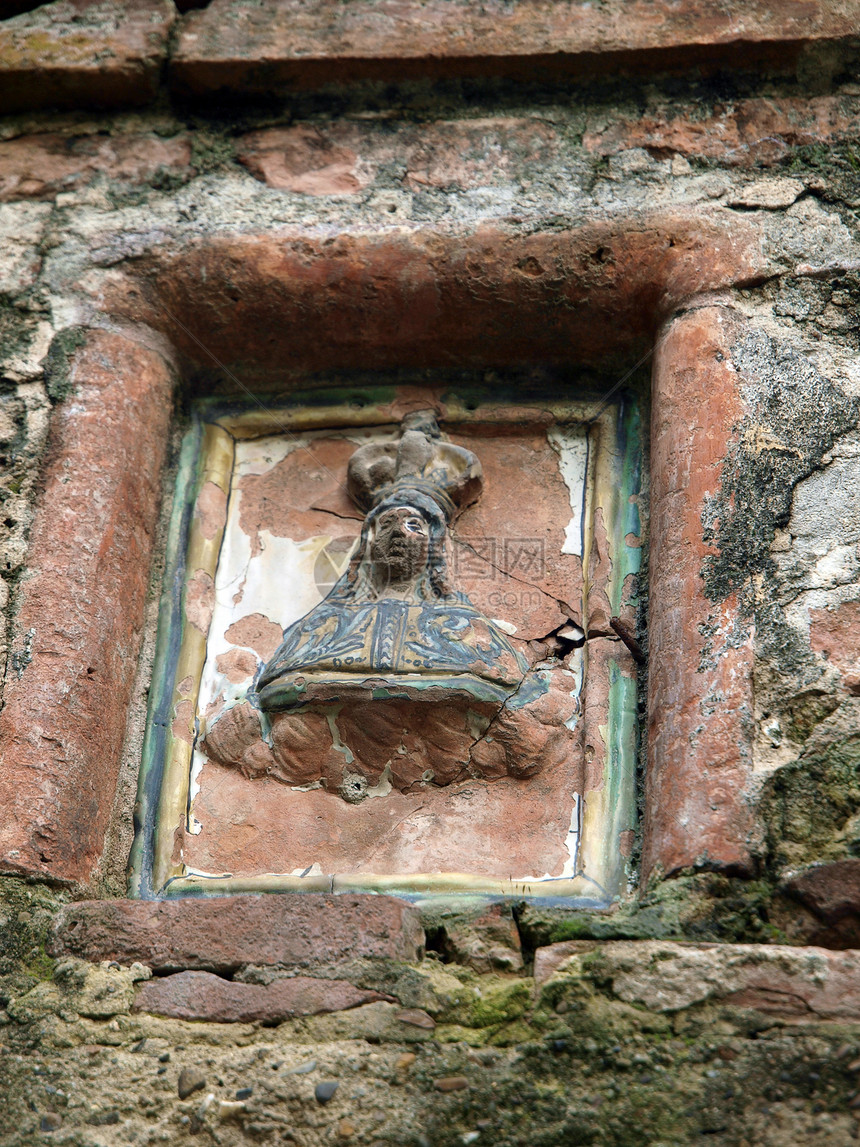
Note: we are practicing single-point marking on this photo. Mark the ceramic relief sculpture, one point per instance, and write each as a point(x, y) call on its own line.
point(395, 679)
point(386, 658)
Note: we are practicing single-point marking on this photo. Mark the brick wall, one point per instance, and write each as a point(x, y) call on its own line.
point(260, 196)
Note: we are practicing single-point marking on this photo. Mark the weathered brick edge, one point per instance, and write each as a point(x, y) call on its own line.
point(811, 985)
point(226, 932)
point(115, 53)
point(285, 44)
point(700, 687)
point(81, 608)
point(60, 56)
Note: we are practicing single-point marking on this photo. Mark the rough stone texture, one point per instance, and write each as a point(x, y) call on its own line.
point(261, 47)
point(204, 996)
point(549, 960)
point(344, 158)
point(700, 689)
point(224, 933)
point(835, 634)
point(485, 941)
point(458, 250)
point(801, 983)
point(78, 625)
point(832, 893)
point(73, 53)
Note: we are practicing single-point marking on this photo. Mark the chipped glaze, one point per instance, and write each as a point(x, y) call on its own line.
point(286, 530)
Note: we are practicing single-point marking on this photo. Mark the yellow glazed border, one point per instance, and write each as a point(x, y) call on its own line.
point(598, 849)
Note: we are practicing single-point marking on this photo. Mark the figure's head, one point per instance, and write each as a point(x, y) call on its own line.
point(402, 547)
point(399, 546)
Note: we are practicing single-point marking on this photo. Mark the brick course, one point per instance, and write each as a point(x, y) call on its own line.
point(224, 933)
point(74, 53)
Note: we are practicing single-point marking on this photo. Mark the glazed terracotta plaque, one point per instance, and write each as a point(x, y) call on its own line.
point(387, 655)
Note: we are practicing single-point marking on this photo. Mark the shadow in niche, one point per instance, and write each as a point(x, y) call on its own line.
point(10, 8)
point(356, 389)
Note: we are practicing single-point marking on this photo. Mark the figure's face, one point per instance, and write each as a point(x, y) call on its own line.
point(400, 545)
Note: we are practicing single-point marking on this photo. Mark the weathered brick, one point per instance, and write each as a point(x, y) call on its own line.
point(753, 132)
point(428, 299)
point(204, 996)
point(343, 158)
point(224, 933)
point(835, 633)
point(42, 166)
point(486, 940)
point(700, 682)
point(276, 44)
point(80, 611)
point(831, 892)
point(74, 53)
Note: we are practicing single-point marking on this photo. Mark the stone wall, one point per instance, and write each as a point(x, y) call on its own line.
point(257, 196)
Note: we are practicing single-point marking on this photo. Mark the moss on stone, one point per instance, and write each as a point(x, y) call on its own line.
point(212, 151)
point(705, 906)
point(26, 914)
point(501, 1003)
point(58, 362)
point(802, 413)
point(807, 804)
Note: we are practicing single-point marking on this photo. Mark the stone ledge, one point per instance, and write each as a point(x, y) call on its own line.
point(69, 54)
point(798, 984)
point(223, 934)
point(281, 44)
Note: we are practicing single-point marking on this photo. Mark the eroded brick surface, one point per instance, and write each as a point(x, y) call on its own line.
point(226, 932)
point(71, 54)
point(700, 697)
point(43, 166)
point(81, 609)
point(755, 132)
point(424, 299)
point(204, 996)
point(255, 47)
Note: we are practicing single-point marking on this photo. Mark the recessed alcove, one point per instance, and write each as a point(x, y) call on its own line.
point(446, 801)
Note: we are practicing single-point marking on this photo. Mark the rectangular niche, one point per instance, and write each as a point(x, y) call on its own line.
point(531, 794)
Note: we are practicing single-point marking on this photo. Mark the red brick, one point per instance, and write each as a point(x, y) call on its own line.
point(836, 634)
point(204, 996)
point(276, 44)
point(224, 933)
point(75, 53)
point(41, 166)
point(77, 631)
point(759, 131)
point(830, 891)
point(304, 159)
point(343, 158)
point(700, 700)
point(263, 304)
